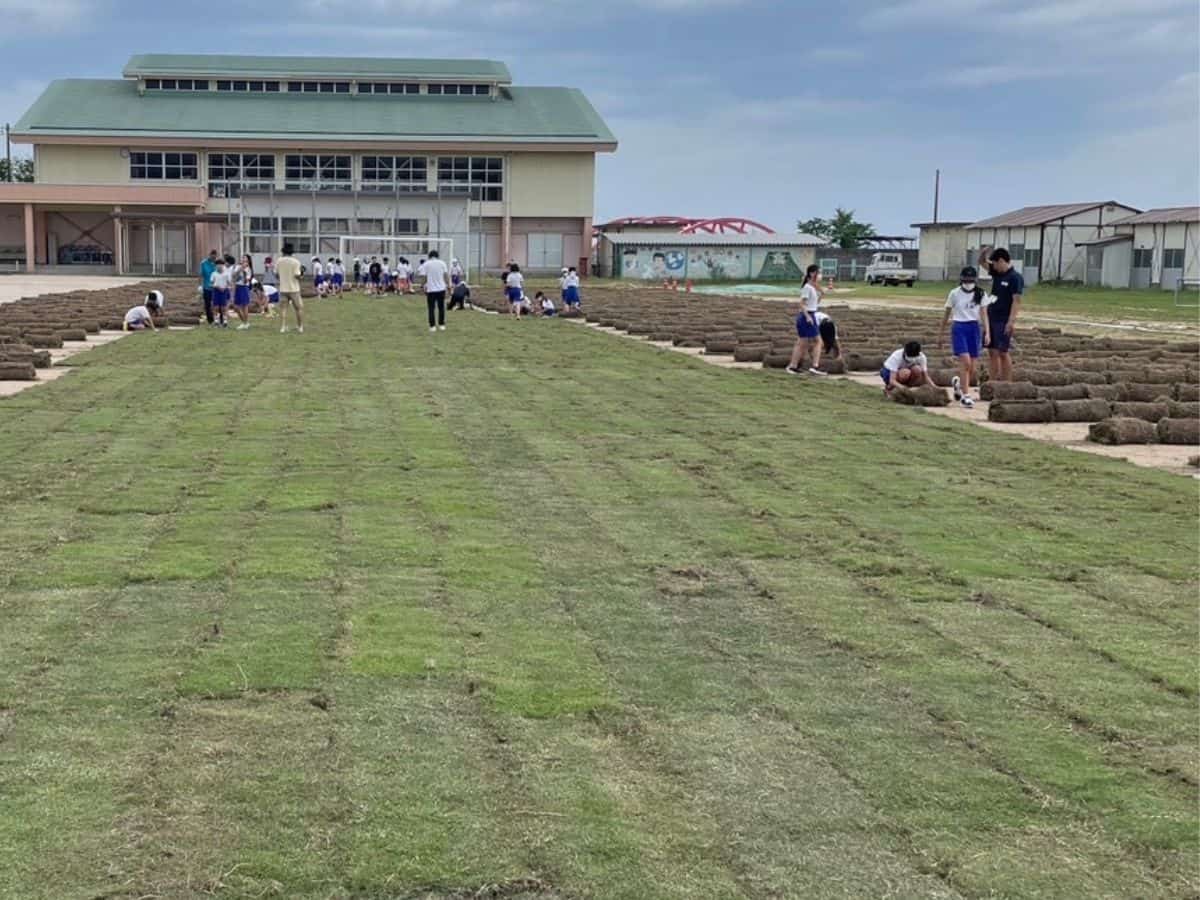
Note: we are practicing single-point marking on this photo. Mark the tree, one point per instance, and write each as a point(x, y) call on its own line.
point(842, 230)
point(22, 169)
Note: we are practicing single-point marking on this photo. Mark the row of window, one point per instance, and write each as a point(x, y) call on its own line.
point(481, 176)
point(287, 225)
point(317, 87)
point(1171, 259)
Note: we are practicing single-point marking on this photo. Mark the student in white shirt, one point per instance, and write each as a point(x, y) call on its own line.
point(318, 275)
point(222, 282)
point(906, 367)
point(156, 303)
point(140, 317)
point(456, 272)
point(966, 308)
point(545, 305)
point(808, 331)
point(436, 276)
point(514, 288)
point(827, 328)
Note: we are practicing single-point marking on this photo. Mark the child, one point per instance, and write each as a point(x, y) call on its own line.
point(243, 274)
point(221, 282)
point(807, 328)
point(403, 276)
point(385, 275)
point(906, 367)
point(336, 276)
point(266, 296)
point(562, 284)
point(460, 296)
point(356, 270)
point(142, 317)
point(318, 276)
point(829, 335)
point(514, 284)
point(966, 306)
point(156, 303)
point(456, 272)
point(374, 275)
point(546, 305)
point(571, 289)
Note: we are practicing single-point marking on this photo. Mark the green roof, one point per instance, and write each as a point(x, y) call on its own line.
point(114, 108)
point(185, 65)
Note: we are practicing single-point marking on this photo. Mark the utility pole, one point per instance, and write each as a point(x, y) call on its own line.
point(937, 189)
point(8, 149)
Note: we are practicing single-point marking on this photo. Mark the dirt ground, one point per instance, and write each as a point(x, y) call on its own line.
point(14, 287)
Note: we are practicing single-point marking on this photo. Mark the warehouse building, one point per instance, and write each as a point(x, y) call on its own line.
point(1164, 245)
point(145, 173)
point(698, 256)
point(1047, 243)
point(942, 250)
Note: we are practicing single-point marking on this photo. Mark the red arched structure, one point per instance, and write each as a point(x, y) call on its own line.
point(725, 226)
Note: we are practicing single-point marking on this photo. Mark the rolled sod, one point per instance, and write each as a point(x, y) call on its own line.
point(720, 346)
point(16, 371)
point(1064, 392)
point(1008, 390)
point(1120, 430)
point(1080, 410)
point(925, 395)
point(1150, 412)
point(750, 352)
point(776, 360)
point(1103, 391)
point(1178, 431)
point(1021, 411)
point(1187, 392)
point(1178, 410)
point(834, 366)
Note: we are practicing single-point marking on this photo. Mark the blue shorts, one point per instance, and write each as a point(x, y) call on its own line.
point(220, 297)
point(273, 298)
point(338, 280)
point(455, 279)
point(1000, 341)
point(805, 327)
point(513, 294)
point(318, 279)
point(571, 295)
point(966, 339)
point(886, 374)
point(241, 295)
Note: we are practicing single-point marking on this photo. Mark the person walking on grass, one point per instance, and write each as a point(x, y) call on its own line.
point(966, 306)
point(436, 275)
point(288, 270)
point(1007, 288)
point(514, 289)
point(206, 273)
point(808, 330)
point(243, 275)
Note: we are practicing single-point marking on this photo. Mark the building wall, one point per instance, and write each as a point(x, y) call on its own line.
point(701, 263)
point(12, 227)
point(552, 184)
point(81, 164)
point(942, 253)
point(1183, 236)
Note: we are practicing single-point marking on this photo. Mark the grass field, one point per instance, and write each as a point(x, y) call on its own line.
point(372, 613)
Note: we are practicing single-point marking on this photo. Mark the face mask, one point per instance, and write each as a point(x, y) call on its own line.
point(968, 286)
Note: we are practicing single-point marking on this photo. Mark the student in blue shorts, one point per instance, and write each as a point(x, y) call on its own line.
point(1007, 287)
point(966, 306)
point(906, 367)
point(222, 283)
point(571, 298)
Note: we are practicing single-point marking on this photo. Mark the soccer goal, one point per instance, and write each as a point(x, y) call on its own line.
point(412, 248)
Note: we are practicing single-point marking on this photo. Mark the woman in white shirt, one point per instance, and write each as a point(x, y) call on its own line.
point(808, 330)
point(514, 284)
point(966, 306)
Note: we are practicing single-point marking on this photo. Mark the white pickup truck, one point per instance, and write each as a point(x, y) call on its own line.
point(888, 268)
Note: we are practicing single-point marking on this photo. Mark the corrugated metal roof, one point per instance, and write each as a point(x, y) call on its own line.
point(1100, 241)
point(1040, 215)
point(1165, 216)
point(224, 65)
point(938, 224)
point(660, 239)
point(113, 108)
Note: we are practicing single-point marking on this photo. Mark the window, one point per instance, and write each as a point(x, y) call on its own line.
point(368, 226)
point(388, 87)
point(263, 224)
point(319, 87)
point(1172, 259)
point(146, 166)
point(176, 84)
point(481, 176)
point(410, 226)
point(1143, 258)
point(406, 174)
point(333, 226)
point(1016, 251)
point(313, 172)
point(231, 173)
point(1033, 259)
point(252, 87)
point(293, 226)
point(459, 90)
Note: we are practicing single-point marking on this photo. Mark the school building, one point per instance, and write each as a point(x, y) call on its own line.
point(186, 153)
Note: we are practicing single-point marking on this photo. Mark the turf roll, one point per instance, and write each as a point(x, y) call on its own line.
point(1151, 412)
point(1121, 430)
point(925, 395)
point(750, 352)
point(1187, 392)
point(1021, 411)
point(1178, 410)
point(1008, 390)
point(776, 360)
point(1064, 392)
point(1178, 431)
point(1080, 410)
point(17, 371)
point(1103, 391)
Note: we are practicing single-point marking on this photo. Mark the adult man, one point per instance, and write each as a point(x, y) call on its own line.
point(288, 271)
point(1007, 288)
point(207, 267)
point(435, 273)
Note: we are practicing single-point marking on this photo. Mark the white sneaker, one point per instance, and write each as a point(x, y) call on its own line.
point(242, 327)
point(967, 402)
point(812, 370)
point(441, 328)
point(956, 383)
point(300, 330)
point(432, 329)
point(283, 330)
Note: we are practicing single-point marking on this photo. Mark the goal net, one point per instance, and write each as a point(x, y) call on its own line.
point(393, 247)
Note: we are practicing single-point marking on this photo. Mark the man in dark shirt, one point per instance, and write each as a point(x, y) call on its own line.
point(1007, 288)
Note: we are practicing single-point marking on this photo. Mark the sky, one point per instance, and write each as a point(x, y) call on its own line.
point(772, 111)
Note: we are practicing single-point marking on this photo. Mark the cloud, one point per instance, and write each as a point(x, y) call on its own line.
point(987, 75)
point(17, 98)
point(21, 17)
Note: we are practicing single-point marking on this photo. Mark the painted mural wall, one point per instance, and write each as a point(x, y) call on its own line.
point(711, 263)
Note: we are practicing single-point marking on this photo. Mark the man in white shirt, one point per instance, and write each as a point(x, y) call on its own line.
point(435, 273)
point(288, 272)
